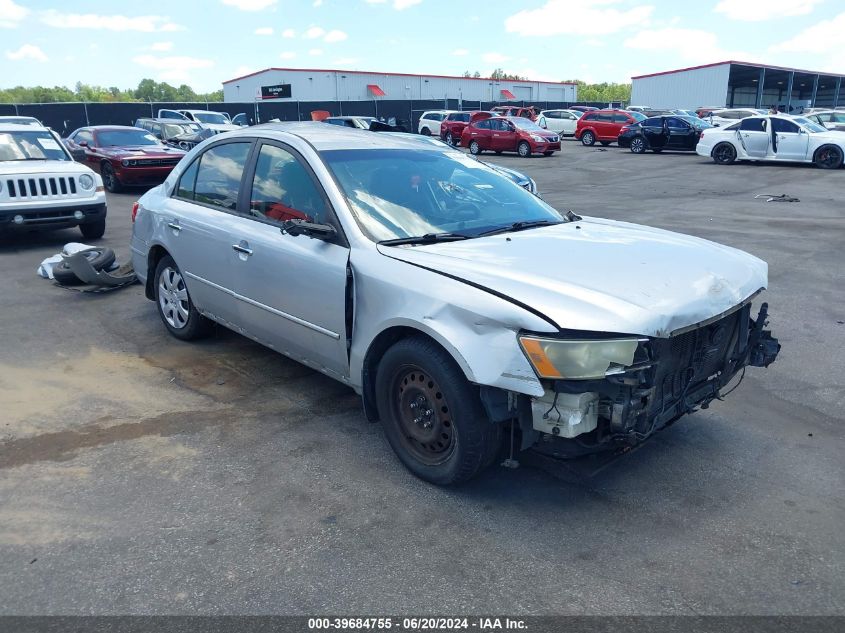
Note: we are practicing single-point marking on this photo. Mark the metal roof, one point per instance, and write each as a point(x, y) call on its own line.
point(738, 63)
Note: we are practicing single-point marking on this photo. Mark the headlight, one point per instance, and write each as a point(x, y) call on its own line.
point(125, 162)
point(86, 182)
point(538, 139)
point(578, 360)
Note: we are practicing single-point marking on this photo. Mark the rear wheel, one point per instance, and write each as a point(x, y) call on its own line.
point(110, 180)
point(431, 415)
point(523, 149)
point(588, 138)
point(175, 307)
point(450, 139)
point(828, 157)
point(474, 148)
point(724, 154)
point(638, 145)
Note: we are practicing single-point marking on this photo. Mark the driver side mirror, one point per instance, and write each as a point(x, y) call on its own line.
point(83, 143)
point(295, 228)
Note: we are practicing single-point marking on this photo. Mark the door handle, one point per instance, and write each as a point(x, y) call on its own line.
point(242, 249)
point(175, 226)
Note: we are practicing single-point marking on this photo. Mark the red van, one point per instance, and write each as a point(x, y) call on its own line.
point(604, 125)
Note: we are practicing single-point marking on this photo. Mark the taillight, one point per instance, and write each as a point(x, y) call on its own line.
point(624, 128)
point(701, 135)
point(135, 210)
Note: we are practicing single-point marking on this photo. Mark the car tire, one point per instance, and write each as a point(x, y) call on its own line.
point(174, 304)
point(604, 143)
point(724, 154)
point(474, 148)
point(445, 437)
point(588, 139)
point(425, 132)
point(523, 149)
point(828, 157)
point(549, 153)
point(637, 145)
point(99, 258)
point(93, 230)
point(110, 180)
point(450, 140)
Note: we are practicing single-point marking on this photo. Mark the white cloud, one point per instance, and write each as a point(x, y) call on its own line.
point(824, 37)
point(288, 33)
point(314, 32)
point(401, 5)
point(562, 16)
point(317, 3)
point(314, 52)
point(264, 30)
point(288, 55)
point(144, 23)
point(161, 47)
point(460, 52)
point(174, 68)
point(770, 10)
point(27, 51)
point(250, 5)
point(494, 58)
point(11, 14)
point(690, 45)
point(335, 36)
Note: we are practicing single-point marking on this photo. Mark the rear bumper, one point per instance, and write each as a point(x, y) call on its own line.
point(51, 217)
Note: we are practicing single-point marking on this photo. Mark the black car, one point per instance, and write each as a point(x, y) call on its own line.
point(663, 132)
point(181, 134)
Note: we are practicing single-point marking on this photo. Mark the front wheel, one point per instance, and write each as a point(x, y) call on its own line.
point(828, 157)
point(431, 415)
point(523, 149)
point(175, 307)
point(638, 145)
point(474, 148)
point(93, 230)
point(724, 154)
point(110, 180)
point(588, 139)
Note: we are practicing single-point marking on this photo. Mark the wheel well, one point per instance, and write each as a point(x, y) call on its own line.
point(820, 148)
point(153, 258)
point(719, 144)
point(376, 351)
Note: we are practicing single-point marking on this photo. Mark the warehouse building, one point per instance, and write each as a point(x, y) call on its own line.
point(301, 84)
point(739, 84)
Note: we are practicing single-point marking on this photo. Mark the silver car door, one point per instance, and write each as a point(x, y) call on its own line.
point(199, 220)
point(755, 138)
point(791, 141)
point(292, 288)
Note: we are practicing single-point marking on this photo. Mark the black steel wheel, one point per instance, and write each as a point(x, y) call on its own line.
point(638, 145)
point(431, 415)
point(110, 180)
point(828, 157)
point(724, 154)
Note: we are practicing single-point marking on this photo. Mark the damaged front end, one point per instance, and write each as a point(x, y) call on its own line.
point(647, 383)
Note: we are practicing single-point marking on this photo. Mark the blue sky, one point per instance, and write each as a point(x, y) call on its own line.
point(202, 43)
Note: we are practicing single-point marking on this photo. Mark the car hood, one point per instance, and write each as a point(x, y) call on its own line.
point(220, 127)
point(601, 275)
point(141, 152)
point(36, 167)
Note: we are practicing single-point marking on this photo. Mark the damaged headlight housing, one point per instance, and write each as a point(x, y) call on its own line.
point(579, 359)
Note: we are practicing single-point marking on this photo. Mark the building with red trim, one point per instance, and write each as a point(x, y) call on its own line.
point(736, 84)
point(311, 84)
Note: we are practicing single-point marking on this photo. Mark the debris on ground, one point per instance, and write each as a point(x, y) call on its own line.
point(80, 264)
point(771, 197)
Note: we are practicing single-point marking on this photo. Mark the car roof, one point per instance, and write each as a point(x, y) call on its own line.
point(22, 127)
point(329, 137)
point(100, 128)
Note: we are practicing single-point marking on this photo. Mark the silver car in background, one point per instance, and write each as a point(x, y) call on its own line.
point(470, 315)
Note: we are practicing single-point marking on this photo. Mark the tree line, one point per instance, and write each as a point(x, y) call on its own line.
point(586, 92)
point(147, 90)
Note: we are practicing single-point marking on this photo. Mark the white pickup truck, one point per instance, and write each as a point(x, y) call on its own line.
point(41, 187)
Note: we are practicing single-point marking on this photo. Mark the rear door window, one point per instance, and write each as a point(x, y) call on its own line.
point(218, 178)
point(753, 125)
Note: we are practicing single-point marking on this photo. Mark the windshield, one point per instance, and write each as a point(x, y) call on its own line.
point(696, 122)
point(815, 128)
point(176, 129)
point(210, 117)
point(638, 116)
point(118, 138)
point(39, 145)
point(396, 193)
point(526, 124)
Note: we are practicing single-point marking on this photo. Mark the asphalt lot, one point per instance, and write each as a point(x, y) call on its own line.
point(141, 474)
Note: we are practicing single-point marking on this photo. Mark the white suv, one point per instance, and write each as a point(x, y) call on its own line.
point(41, 187)
point(430, 121)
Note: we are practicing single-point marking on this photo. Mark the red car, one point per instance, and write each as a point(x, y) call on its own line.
point(604, 125)
point(454, 124)
point(526, 113)
point(509, 134)
point(123, 155)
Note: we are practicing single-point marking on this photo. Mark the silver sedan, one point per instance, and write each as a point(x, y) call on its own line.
point(474, 319)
